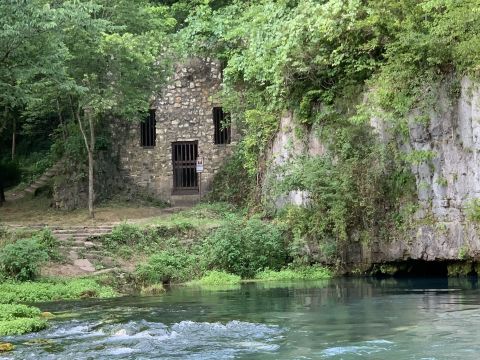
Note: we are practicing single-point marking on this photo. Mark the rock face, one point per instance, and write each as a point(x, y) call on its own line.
point(447, 143)
point(286, 146)
point(70, 188)
point(447, 183)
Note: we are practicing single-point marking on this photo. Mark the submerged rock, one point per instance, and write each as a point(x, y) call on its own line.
point(4, 347)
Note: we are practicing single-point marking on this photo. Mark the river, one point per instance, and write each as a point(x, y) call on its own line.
point(336, 319)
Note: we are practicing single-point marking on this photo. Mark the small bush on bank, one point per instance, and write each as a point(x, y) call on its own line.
point(166, 266)
point(295, 274)
point(125, 234)
point(49, 243)
point(22, 259)
point(216, 277)
point(246, 247)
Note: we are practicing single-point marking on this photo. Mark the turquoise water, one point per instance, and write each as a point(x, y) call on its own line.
point(337, 319)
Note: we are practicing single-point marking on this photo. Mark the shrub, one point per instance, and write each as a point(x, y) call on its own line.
point(22, 259)
point(233, 183)
point(245, 247)
point(167, 266)
point(294, 274)
point(49, 242)
point(124, 234)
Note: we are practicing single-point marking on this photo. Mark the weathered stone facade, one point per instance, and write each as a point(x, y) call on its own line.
point(184, 112)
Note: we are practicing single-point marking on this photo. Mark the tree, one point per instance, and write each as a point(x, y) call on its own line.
point(30, 51)
point(116, 60)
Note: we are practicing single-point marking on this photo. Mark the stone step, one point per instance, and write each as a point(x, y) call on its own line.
point(81, 230)
point(77, 250)
point(78, 242)
point(81, 234)
point(184, 200)
point(82, 238)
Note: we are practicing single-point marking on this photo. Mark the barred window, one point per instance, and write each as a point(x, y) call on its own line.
point(148, 134)
point(221, 122)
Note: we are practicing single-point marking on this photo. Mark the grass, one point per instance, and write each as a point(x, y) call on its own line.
point(295, 274)
point(215, 277)
point(18, 319)
point(21, 326)
point(154, 289)
point(16, 292)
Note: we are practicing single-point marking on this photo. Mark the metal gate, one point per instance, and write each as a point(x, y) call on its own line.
point(184, 156)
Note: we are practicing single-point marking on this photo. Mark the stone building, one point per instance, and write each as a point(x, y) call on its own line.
point(186, 125)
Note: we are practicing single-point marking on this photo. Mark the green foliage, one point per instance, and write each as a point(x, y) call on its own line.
point(245, 247)
point(49, 243)
point(233, 183)
point(215, 277)
point(166, 266)
point(19, 319)
point(261, 127)
point(473, 210)
point(14, 292)
point(295, 274)
point(11, 311)
point(417, 157)
point(21, 260)
point(463, 252)
point(125, 234)
point(21, 326)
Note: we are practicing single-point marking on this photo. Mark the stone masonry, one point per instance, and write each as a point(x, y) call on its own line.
point(184, 112)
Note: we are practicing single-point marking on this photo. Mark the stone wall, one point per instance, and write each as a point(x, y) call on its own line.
point(183, 113)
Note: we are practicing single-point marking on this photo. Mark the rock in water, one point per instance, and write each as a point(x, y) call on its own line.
point(4, 347)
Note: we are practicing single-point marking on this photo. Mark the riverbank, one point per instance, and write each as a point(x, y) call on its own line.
point(352, 318)
point(207, 245)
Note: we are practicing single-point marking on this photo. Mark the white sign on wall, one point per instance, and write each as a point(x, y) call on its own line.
point(199, 165)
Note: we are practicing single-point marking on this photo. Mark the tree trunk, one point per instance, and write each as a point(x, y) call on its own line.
point(91, 193)
point(3, 124)
point(2, 193)
point(62, 124)
point(14, 135)
point(90, 150)
point(90, 185)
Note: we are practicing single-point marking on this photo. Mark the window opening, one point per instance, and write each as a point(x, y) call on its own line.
point(222, 126)
point(148, 133)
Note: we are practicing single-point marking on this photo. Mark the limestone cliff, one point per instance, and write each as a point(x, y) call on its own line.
point(447, 183)
point(447, 178)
